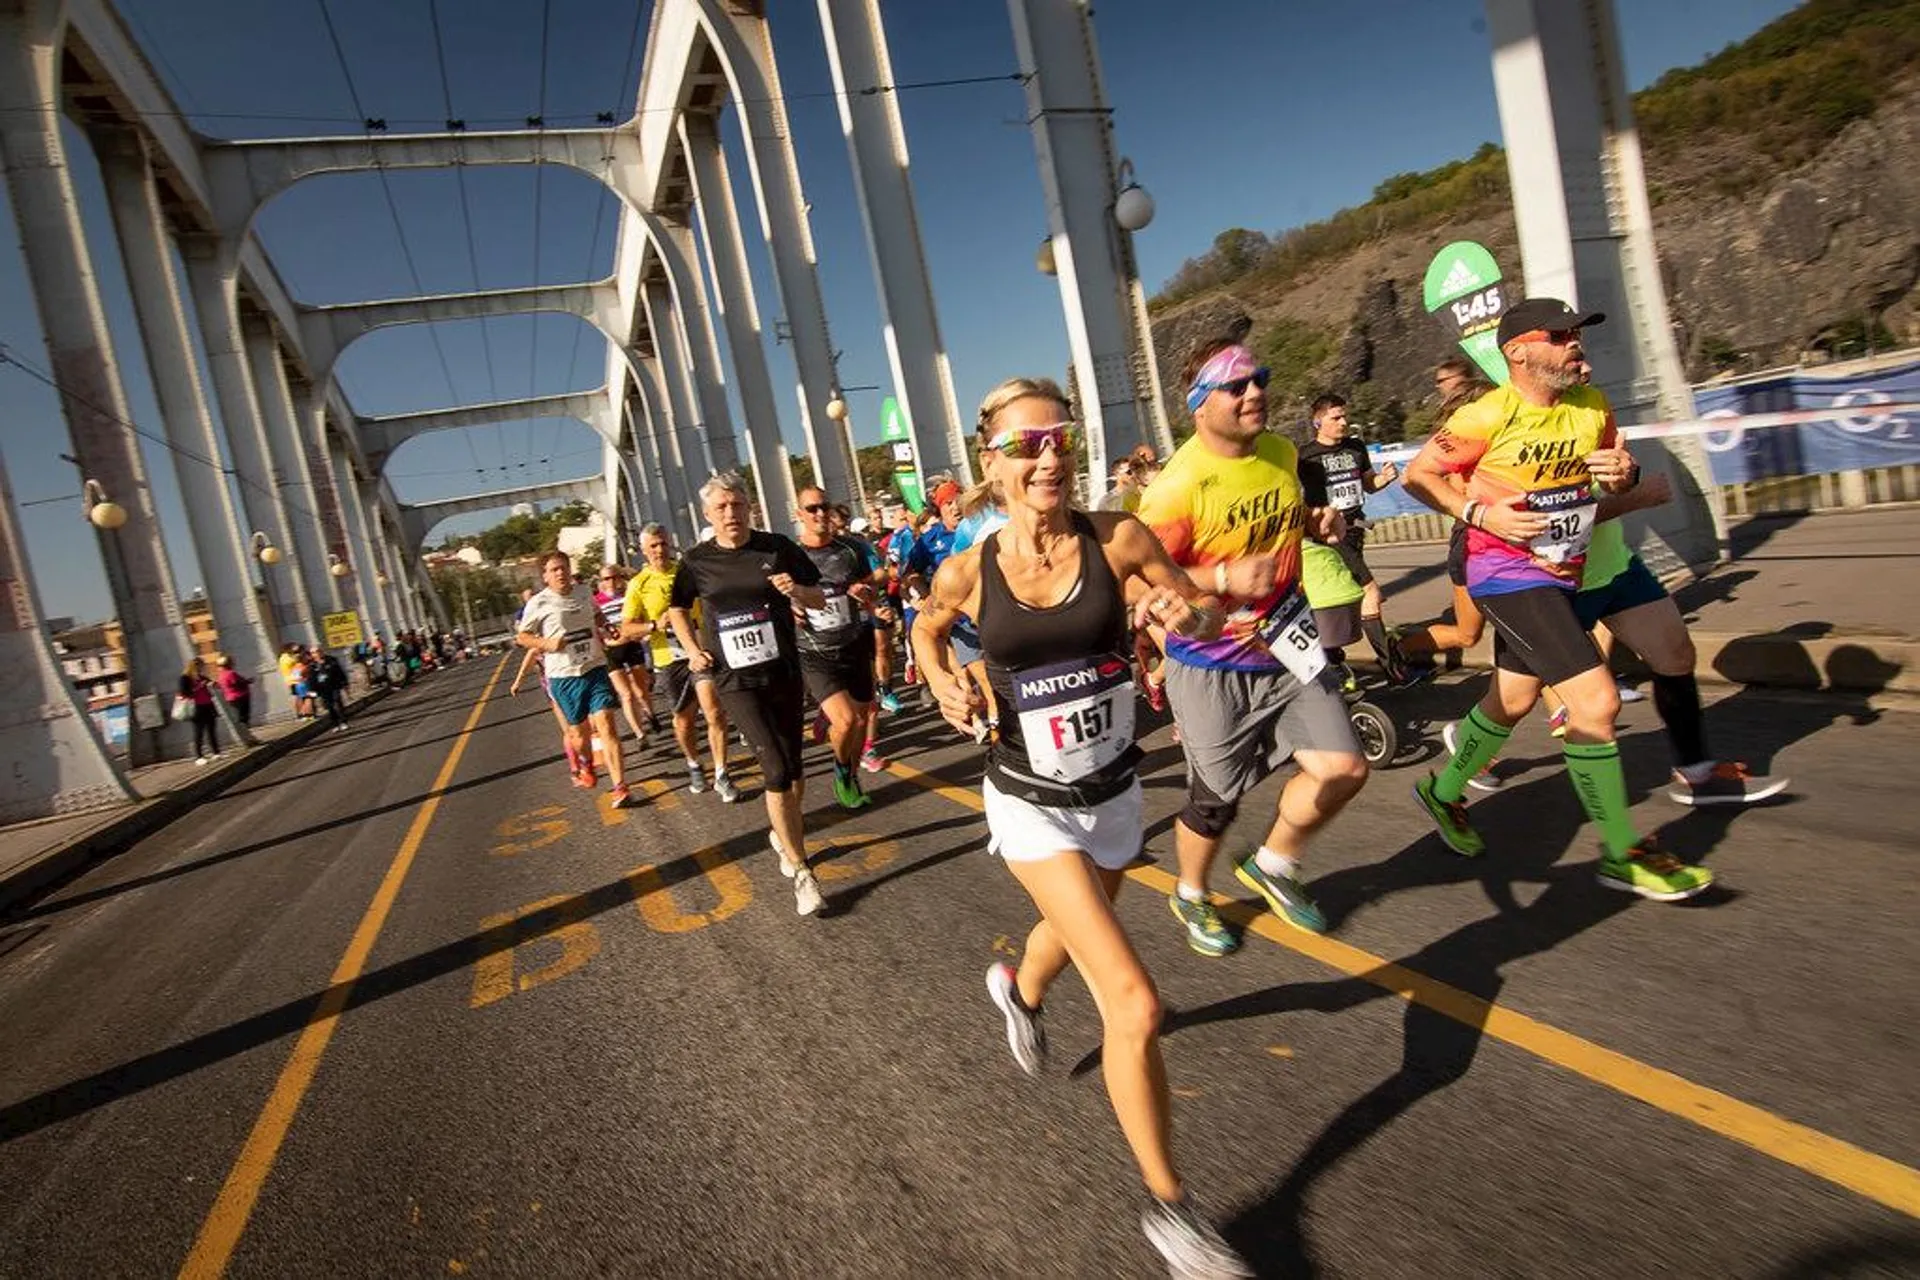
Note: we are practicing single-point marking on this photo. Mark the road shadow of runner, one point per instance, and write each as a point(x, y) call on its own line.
point(39, 904)
point(1884, 1253)
point(552, 917)
point(1437, 1049)
point(1530, 837)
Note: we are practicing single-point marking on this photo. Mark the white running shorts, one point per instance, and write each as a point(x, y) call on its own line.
point(1111, 832)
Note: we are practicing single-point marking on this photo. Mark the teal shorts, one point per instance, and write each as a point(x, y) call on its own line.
point(580, 696)
point(1635, 586)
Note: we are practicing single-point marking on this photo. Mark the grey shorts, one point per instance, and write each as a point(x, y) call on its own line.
point(1239, 726)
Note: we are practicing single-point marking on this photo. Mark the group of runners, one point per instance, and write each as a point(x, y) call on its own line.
point(1022, 618)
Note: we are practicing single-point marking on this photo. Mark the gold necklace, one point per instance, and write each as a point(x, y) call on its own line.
point(1040, 552)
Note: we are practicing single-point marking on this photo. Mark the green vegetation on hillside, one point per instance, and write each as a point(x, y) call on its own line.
point(1767, 103)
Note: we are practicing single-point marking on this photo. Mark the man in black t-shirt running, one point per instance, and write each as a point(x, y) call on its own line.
point(1337, 472)
point(836, 644)
point(747, 583)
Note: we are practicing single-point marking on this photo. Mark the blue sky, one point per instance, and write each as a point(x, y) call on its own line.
point(1235, 113)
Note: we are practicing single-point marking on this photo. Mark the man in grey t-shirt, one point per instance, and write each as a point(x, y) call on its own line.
point(563, 625)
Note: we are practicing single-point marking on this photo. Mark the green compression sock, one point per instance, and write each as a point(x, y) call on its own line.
point(1602, 788)
point(1476, 742)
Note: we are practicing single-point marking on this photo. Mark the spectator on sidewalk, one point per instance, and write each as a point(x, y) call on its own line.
point(237, 690)
point(198, 690)
point(328, 679)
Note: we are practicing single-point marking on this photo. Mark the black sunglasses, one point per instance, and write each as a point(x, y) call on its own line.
point(815, 508)
point(1238, 387)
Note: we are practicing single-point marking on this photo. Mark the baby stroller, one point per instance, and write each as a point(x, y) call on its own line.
point(1335, 599)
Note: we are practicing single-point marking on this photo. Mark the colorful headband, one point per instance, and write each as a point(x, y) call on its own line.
point(1226, 365)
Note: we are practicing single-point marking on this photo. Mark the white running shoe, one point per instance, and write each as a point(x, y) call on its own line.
point(1628, 693)
point(696, 778)
point(779, 854)
point(1025, 1036)
point(1192, 1248)
point(806, 892)
point(724, 788)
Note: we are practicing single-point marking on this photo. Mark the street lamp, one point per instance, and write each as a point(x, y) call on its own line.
point(336, 566)
point(381, 579)
point(1133, 207)
point(102, 511)
point(1043, 260)
point(263, 548)
point(837, 410)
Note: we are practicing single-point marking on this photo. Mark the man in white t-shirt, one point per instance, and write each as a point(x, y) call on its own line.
point(563, 625)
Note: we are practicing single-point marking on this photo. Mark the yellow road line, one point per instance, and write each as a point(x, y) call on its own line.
point(1885, 1181)
point(220, 1233)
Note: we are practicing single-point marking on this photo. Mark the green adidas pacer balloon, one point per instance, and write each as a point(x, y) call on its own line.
point(906, 468)
point(1463, 288)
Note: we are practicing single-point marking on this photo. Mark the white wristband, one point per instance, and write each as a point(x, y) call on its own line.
point(1220, 579)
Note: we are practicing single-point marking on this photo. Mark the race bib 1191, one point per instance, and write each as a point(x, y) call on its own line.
point(747, 639)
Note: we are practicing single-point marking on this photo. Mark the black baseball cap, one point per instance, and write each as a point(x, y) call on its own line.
point(1549, 314)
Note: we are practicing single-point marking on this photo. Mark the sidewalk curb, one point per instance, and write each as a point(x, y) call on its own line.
point(148, 816)
point(1838, 664)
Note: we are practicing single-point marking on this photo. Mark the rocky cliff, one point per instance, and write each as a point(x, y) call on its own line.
point(1821, 255)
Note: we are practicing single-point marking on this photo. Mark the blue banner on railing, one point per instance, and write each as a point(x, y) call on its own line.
point(1853, 442)
point(1857, 439)
point(1393, 500)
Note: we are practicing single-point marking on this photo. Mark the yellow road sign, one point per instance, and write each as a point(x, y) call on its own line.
point(341, 630)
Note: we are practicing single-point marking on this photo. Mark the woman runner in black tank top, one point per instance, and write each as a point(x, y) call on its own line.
point(1062, 803)
point(1060, 678)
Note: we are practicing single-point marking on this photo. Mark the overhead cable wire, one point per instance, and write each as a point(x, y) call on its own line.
point(507, 124)
point(9, 358)
point(466, 221)
point(455, 471)
point(393, 211)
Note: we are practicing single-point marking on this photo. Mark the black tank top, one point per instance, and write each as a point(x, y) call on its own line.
point(1061, 683)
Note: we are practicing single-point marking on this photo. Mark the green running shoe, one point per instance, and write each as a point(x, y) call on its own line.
point(1207, 933)
point(846, 789)
point(1652, 872)
point(1451, 819)
point(1287, 896)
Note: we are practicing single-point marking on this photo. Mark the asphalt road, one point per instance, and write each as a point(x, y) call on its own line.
point(340, 1022)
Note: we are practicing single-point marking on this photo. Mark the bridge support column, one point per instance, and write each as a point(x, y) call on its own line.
point(877, 145)
point(1106, 309)
point(733, 294)
point(213, 280)
point(380, 540)
point(54, 758)
point(667, 387)
point(1586, 235)
point(80, 352)
point(360, 587)
point(701, 354)
point(220, 542)
point(289, 471)
point(783, 209)
point(367, 565)
point(653, 466)
point(310, 423)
